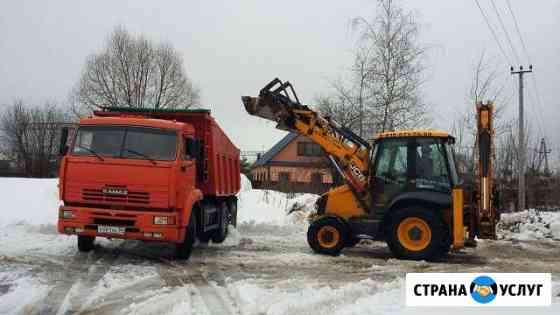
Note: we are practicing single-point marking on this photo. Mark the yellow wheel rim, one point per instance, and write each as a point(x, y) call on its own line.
point(414, 234)
point(328, 236)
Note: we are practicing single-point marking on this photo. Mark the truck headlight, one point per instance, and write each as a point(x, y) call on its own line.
point(67, 214)
point(163, 220)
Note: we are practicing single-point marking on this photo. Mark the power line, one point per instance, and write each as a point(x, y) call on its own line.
point(505, 32)
point(518, 31)
point(538, 102)
point(493, 33)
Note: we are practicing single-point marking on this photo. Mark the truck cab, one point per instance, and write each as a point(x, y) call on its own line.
point(136, 176)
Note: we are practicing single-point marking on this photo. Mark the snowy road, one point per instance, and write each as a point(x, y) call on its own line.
point(262, 269)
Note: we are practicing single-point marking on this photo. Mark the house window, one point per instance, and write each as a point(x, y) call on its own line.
point(309, 149)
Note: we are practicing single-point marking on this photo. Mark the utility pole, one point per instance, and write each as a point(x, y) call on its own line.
point(543, 158)
point(522, 151)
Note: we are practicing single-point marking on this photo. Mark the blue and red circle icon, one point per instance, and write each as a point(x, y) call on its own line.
point(483, 289)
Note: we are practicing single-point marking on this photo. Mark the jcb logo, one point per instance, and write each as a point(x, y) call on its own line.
point(357, 173)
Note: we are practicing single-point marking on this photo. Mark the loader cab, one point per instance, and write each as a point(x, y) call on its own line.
point(412, 165)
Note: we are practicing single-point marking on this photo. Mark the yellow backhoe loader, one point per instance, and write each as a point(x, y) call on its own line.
point(402, 188)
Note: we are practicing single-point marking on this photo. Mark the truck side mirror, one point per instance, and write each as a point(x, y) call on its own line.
point(63, 148)
point(192, 148)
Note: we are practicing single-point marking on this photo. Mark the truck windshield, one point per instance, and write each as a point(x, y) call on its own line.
point(126, 142)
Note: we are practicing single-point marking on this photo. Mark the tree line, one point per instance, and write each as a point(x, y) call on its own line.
point(129, 71)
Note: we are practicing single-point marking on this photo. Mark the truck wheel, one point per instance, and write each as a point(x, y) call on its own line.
point(416, 233)
point(183, 250)
point(327, 236)
point(203, 237)
point(85, 243)
point(219, 236)
point(232, 205)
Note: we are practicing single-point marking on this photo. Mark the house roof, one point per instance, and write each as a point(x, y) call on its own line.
point(276, 149)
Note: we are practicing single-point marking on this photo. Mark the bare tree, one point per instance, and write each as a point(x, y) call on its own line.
point(134, 71)
point(384, 90)
point(395, 66)
point(487, 85)
point(30, 136)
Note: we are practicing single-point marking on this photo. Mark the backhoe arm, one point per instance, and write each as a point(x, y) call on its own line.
point(348, 151)
point(485, 217)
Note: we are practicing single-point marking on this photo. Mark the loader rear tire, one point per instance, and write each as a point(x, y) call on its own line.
point(85, 243)
point(328, 236)
point(416, 233)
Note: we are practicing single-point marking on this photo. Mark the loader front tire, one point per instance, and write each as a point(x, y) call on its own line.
point(328, 236)
point(416, 233)
point(85, 243)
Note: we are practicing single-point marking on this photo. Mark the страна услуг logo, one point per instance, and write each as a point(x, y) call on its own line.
point(483, 289)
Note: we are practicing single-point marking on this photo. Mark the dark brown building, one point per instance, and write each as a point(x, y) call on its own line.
point(294, 164)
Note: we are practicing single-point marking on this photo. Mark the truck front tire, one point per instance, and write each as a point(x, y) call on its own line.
point(85, 243)
point(184, 249)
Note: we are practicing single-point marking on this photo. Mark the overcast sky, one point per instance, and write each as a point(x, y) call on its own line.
point(232, 48)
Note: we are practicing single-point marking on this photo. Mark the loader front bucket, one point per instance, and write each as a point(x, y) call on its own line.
point(274, 103)
point(255, 107)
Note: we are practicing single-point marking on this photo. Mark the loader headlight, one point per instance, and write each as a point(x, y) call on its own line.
point(67, 214)
point(163, 220)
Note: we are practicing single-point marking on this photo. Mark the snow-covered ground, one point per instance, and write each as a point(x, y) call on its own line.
point(264, 267)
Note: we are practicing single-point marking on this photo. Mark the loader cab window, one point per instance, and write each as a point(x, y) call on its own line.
point(431, 165)
point(391, 171)
point(392, 163)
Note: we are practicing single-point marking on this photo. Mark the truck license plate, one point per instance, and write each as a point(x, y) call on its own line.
point(110, 229)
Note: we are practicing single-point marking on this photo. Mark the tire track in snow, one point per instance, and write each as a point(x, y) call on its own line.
point(76, 279)
point(216, 298)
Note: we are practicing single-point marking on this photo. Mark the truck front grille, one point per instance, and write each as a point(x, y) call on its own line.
point(132, 197)
point(115, 222)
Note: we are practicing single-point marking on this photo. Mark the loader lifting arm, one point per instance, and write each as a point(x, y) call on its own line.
point(278, 102)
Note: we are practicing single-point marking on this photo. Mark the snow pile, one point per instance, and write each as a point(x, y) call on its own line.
point(529, 225)
point(257, 206)
point(245, 183)
point(273, 207)
point(33, 201)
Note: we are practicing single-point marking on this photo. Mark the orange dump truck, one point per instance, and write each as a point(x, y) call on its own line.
point(152, 175)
